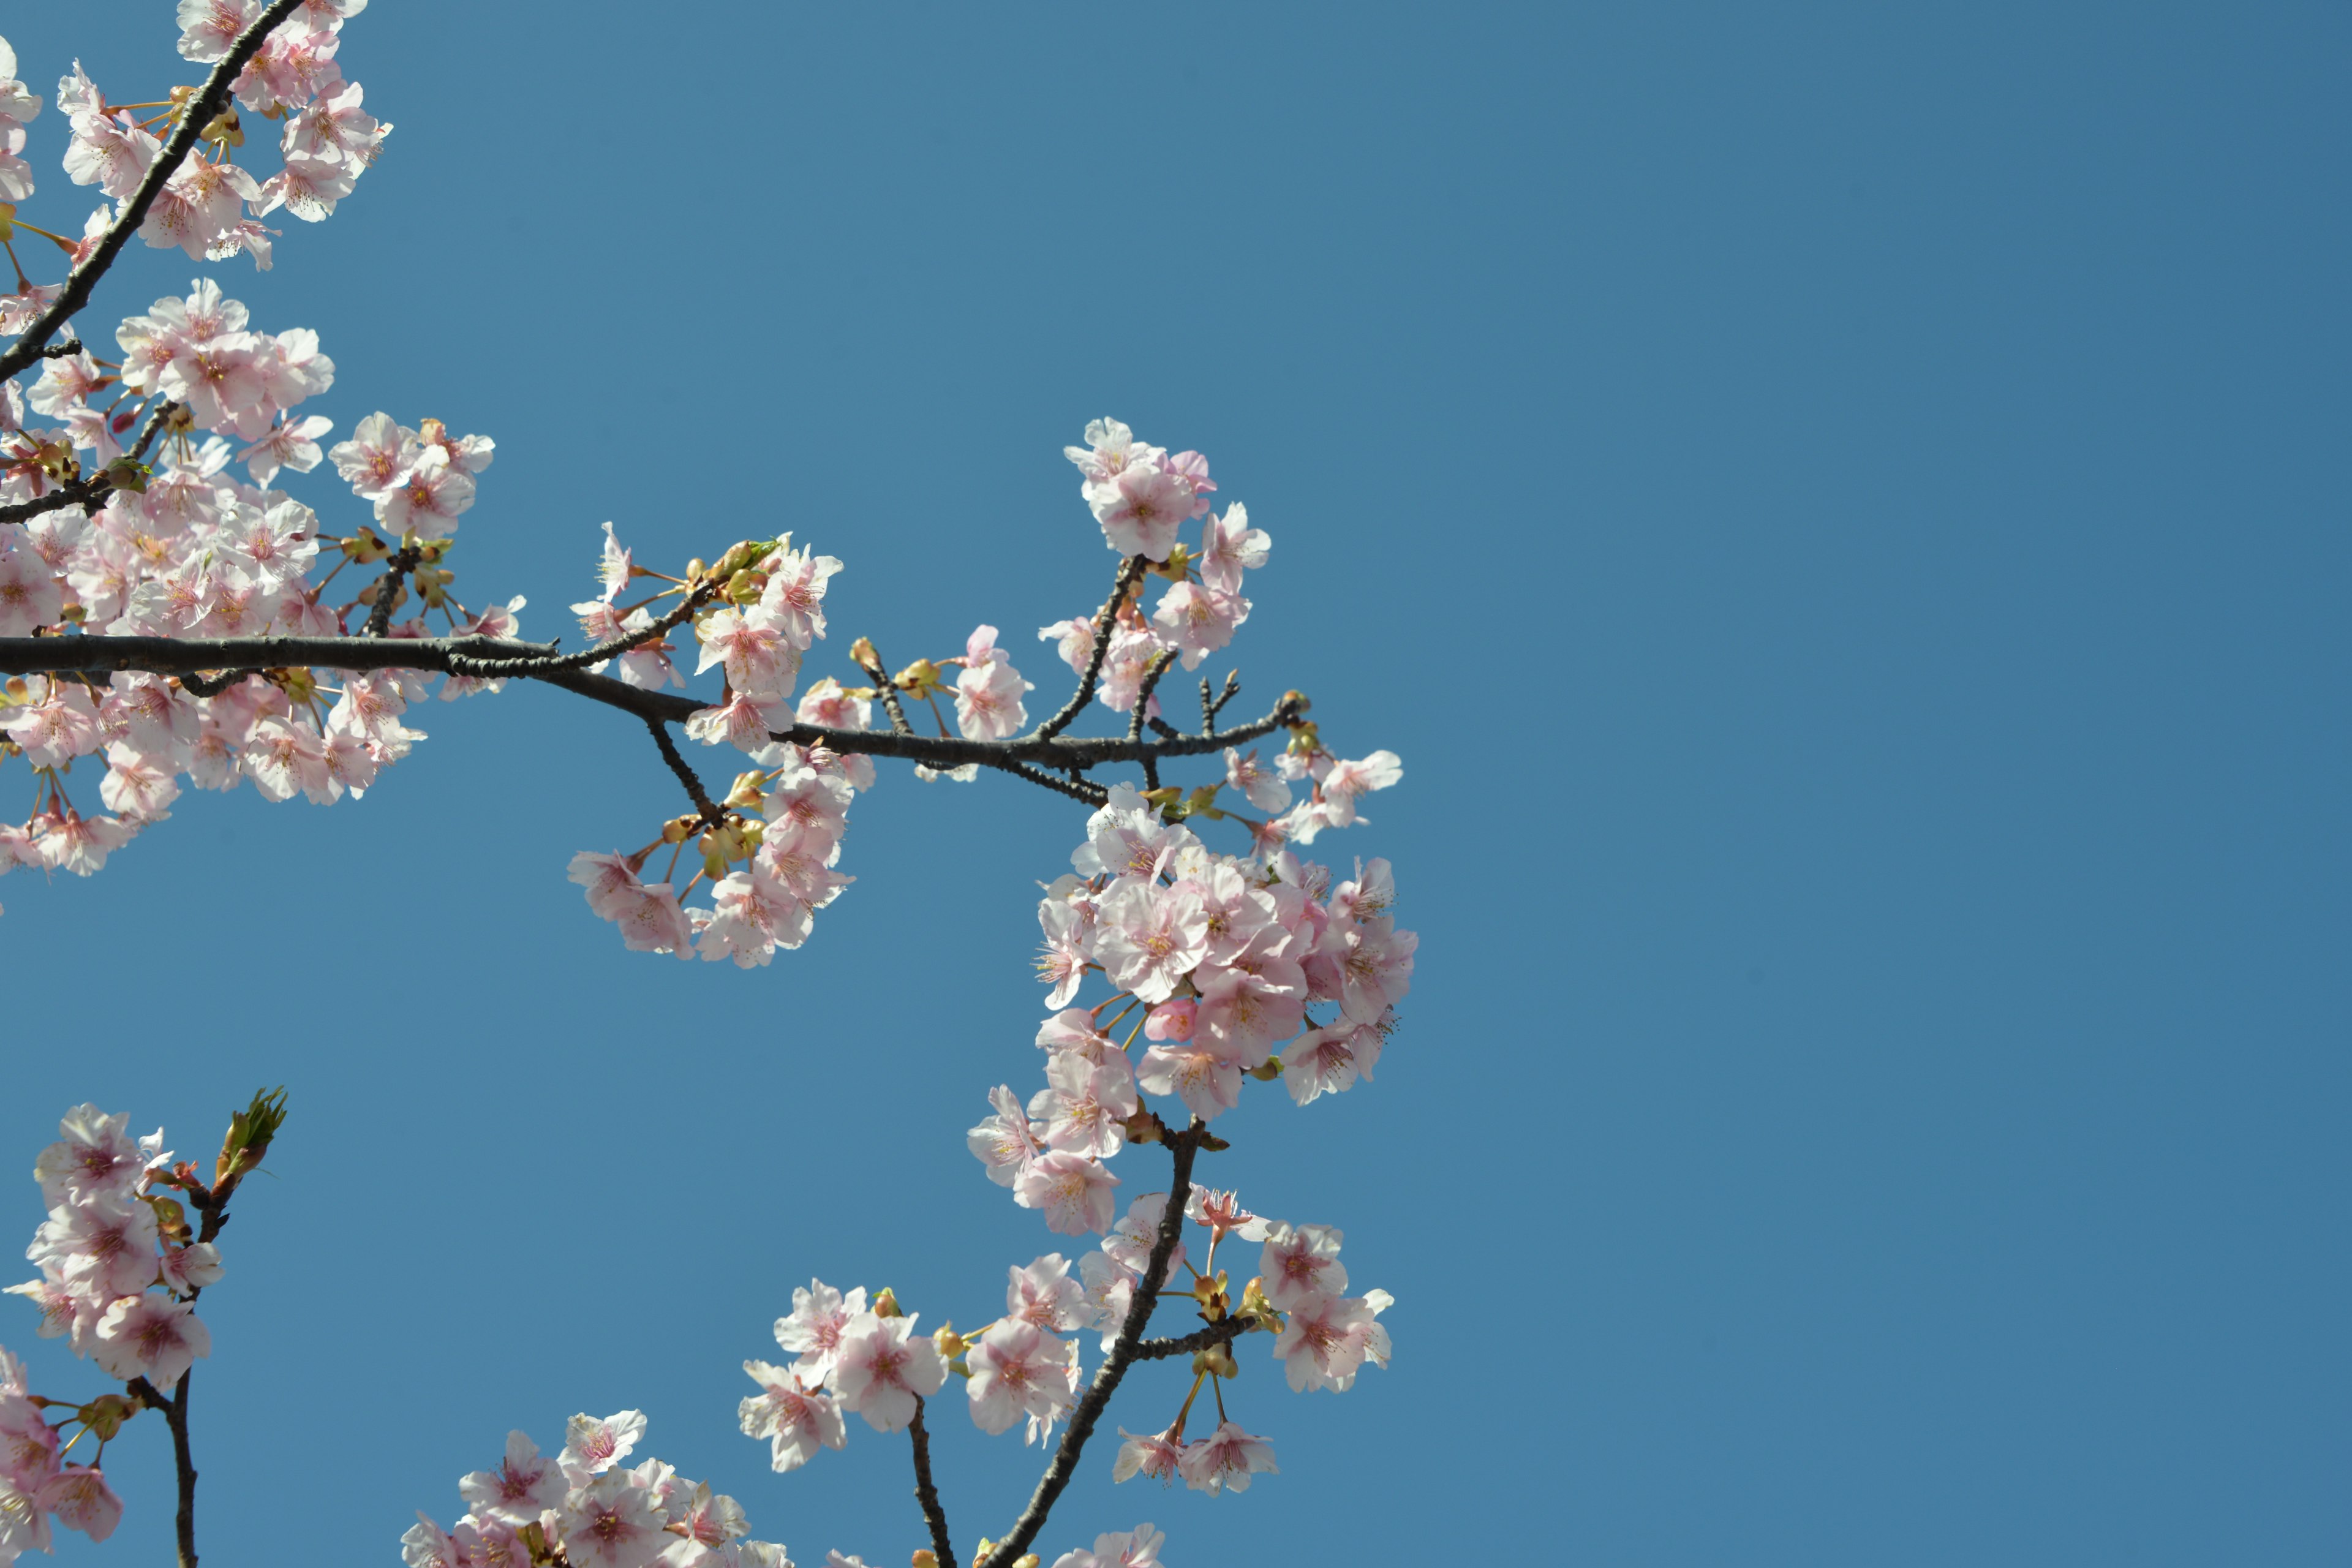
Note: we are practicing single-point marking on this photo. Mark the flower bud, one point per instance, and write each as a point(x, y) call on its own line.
point(105, 1415)
point(223, 130)
point(919, 679)
point(695, 570)
point(886, 1303)
point(747, 794)
point(742, 557)
point(862, 655)
point(1171, 1020)
point(948, 1342)
point(744, 586)
point(1267, 1070)
point(925, 1558)
point(675, 830)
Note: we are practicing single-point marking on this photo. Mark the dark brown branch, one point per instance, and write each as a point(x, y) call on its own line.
point(60, 351)
point(387, 589)
point(1129, 571)
point(1214, 1334)
point(1152, 674)
point(694, 790)
point(530, 664)
point(1184, 1145)
point(888, 690)
point(926, 1493)
point(200, 111)
point(1208, 711)
point(185, 656)
point(1074, 787)
point(78, 493)
point(174, 1411)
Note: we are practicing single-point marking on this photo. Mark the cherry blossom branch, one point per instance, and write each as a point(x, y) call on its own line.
point(174, 1412)
point(387, 589)
point(1209, 708)
point(201, 111)
point(530, 665)
point(1184, 1145)
point(1130, 571)
point(885, 687)
point(927, 1494)
point(187, 657)
point(61, 350)
point(1152, 674)
point(1214, 1334)
point(78, 493)
point(686, 776)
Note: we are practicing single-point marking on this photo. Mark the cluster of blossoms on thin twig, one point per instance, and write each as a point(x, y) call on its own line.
point(120, 1267)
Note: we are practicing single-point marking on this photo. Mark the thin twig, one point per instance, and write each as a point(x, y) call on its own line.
point(1152, 674)
point(1129, 571)
point(694, 790)
point(387, 588)
point(1184, 1145)
point(1214, 1334)
point(200, 111)
point(501, 668)
point(889, 690)
point(926, 1493)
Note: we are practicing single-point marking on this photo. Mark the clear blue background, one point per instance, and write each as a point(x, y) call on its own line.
point(1841, 511)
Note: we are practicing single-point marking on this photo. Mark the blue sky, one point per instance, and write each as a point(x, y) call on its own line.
point(1841, 512)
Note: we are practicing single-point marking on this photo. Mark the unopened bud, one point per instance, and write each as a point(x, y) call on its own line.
point(224, 131)
point(925, 1558)
point(746, 553)
point(919, 679)
point(675, 831)
point(105, 1415)
point(695, 570)
point(744, 586)
point(948, 1342)
point(747, 793)
point(1267, 1070)
point(885, 1304)
point(861, 654)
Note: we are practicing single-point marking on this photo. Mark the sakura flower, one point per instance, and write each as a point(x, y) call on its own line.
point(1125, 838)
point(1017, 1370)
point(610, 879)
point(1173, 1019)
point(1222, 1212)
point(1375, 963)
point(1137, 1548)
point(1110, 445)
point(796, 1420)
point(428, 498)
point(1198, 620)
point(1226, 1460)
point(289, 445)
point(151, 1337)
point(188, 1269)
point(1044, 1294)
point(761, 662)
point(110, 152)
point(92, 1158)
point(1325, 1339)
point(613, 1522)
point(526, 1484)
point(1074, 1191)
point(812, 1333)
point(137, 786)
point(742, 720)
point(1207, 1081)
point(828, 704)
point(1154, 1455)
point(1260, 785)
point(988, 699)
point(1146, 938)
point(1085, 1103)
point(29, 595)
point(80, 1496)
point(80, 843)
point(794, 599)
point(1140, 509)
point(1074, 640)
point(1328, 1062)
point(1062, 959)
point(1074, 1031)
point(1299, 1261)
point(1229, 546)
point(376, 456)
point(651, 921)
point(883, 1366)
point(1346, 780)
point(1006, 1142)
point(593, 1444)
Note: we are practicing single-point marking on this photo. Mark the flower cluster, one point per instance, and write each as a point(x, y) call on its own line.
point(583, 1508)
point(120, 1270)
point(1142, 497)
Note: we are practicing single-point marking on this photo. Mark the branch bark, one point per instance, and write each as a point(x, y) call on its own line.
point(1184, 1145)
point(1130, 571)
point(1214, 1334)
point(210, 99)
point(926, 1493)
point(187, 657)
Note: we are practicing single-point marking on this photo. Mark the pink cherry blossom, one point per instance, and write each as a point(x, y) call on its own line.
point(883, 1366)
point(1006, 1142)
point(797, 1420)
point(1141, 508)
point(80, 1498)
point(812, 1333)
point(592, 1444)
point(1074, 1191)
point(1154, 1455)
point(93, 1158)
point(1146, 938)
point(1226, 1460)
point(613, 1522)
point(1325, 1339)
point(1016, 1369)
point(525, 1484)
point(151, 1337)
point(1044, 1294)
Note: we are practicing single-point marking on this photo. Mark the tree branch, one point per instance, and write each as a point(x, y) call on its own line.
point(1130, 571)
point(387, 589)
point(1214, 1334)
point(1184, 1145)
point(694, 790)
point(200, 112)
point(534, 663)
point(927, 1494)
point(189, 657)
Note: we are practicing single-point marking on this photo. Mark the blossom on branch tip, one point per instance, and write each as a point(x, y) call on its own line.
point(884, 1365)
point(1226, 1460)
